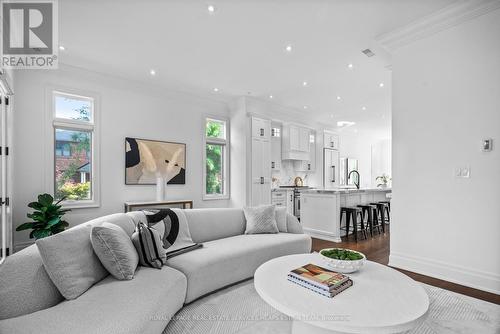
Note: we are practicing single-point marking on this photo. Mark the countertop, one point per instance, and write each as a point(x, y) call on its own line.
point(345, 191)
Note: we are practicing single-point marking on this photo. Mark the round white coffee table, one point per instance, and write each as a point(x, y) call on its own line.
point(382, 300)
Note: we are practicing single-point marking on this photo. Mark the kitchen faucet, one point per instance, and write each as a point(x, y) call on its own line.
point(349, 177)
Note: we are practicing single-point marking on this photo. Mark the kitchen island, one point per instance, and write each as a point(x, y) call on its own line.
point(320, 209)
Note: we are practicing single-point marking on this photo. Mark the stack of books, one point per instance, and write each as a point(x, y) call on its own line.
point(323, 281)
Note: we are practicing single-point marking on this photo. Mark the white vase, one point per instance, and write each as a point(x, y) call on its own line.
point(160, 189)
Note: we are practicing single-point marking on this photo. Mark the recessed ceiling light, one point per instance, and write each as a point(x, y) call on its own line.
point(350, 66)
point(363, 108)
point(270, 96)
point(62, 48)
point(331, 116)
point(339, 98)
point(344, 124)
point(288, 48)
point(216, 89)
point(152, 72)
point(381, 84)
point(211, 8)
point(304, 83)
point(305, 107)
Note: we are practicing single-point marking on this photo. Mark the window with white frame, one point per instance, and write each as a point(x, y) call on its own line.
point(216, 159)
point(74, 136)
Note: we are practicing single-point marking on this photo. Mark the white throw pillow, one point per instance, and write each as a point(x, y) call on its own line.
point(280, 213)
point(115, 250)
point(260, 219)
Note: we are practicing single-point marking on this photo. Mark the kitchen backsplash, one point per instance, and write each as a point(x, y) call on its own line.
point(286, 175)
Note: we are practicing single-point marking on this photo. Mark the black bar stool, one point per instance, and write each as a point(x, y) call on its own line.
point(387, 210)
point(381, 212)
point(352, 213)
point(370, 212)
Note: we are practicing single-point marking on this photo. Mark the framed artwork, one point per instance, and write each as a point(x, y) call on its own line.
point(146, 160)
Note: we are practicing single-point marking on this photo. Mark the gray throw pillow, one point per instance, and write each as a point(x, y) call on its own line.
point(280, 213)
point(115, 250)
point(70, 261)
point(260, 219)
point(293, 225)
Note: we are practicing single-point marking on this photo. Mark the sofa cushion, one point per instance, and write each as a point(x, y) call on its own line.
point(280, 214)
point(70, 261)
point(260, 219)
point(293, 224)
point(25, 286)
point(115, 250)
point(142, 305)
point(213, 224)
point(229, 260)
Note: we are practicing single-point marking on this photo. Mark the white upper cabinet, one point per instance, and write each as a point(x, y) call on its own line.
point(330, 140)
point(261, 128)
point(295, 142)
point(310, 164)
point(275, 146)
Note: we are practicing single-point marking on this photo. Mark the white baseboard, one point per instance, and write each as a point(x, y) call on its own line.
point(476, 279)
point(323, 235)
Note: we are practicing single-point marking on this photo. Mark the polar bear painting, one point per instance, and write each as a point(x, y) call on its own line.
point(147, 160)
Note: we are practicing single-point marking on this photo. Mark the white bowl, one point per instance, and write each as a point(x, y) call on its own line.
point(343, 266)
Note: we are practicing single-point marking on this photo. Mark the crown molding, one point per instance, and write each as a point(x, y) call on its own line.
point(450, 16)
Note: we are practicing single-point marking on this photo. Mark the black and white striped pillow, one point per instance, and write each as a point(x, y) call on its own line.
point(148, 244)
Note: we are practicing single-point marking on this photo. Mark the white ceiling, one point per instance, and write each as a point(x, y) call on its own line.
point(240, 49)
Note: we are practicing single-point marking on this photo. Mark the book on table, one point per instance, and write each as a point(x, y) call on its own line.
point(319, 279)
point(323, 292)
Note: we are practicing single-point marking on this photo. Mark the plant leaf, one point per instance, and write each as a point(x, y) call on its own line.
point(45, 199)
point(24, 226)
point(53, 221)
point(39, 234)
point(35, 205)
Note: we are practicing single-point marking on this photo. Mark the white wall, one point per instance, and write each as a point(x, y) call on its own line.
point(127, 109)
point(446, 99)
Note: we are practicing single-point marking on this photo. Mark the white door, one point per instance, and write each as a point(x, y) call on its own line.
point(330, 168)
point(5, 176)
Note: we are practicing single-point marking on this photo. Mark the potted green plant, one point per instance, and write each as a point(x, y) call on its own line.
point(383, 180)
point(47, 217)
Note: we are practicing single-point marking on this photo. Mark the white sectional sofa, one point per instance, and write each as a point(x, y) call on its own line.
point(30, 302)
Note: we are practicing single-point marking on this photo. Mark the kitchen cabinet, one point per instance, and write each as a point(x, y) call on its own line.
point(330, 140)
point(275, 146)
point(260, 162)
point(261, 128)
point(330, 168)
point(295, 142)
point(283, 198)
point(308, 165)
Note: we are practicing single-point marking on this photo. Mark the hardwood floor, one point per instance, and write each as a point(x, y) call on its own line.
point(377, 249)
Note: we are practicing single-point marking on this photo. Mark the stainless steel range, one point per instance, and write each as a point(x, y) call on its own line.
point(296, 198)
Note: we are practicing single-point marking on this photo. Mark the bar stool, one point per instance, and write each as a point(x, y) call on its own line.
point(381, 207)
point(352, 213)
point(370, 212)
point(387, 210)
